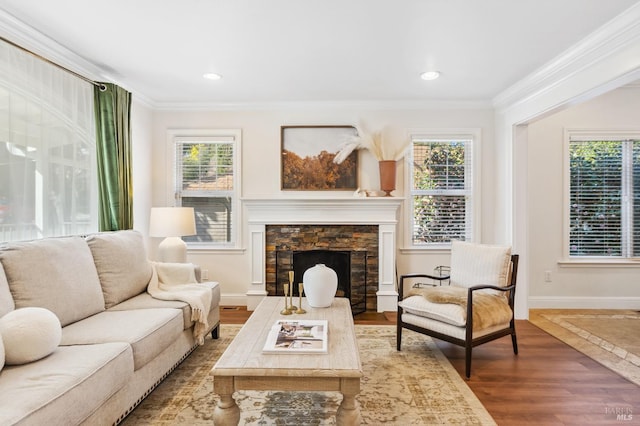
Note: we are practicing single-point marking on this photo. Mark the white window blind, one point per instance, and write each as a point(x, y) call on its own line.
point(206, 180)
point(604, 192)
point(441, 190)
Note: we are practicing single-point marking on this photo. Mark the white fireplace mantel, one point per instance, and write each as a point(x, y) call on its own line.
point(381, 211)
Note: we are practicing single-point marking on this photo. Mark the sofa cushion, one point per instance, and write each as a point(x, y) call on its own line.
point(6, 300)
point(29, 334)
point(148, 331)
point(145, 301)
point(56, 274)
point(65, 387)
point(121, 260)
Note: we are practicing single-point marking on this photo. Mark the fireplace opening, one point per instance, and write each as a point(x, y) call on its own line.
point(350, 267)
point(339, 261)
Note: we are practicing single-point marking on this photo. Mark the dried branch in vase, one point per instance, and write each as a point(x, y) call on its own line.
point(374, 142)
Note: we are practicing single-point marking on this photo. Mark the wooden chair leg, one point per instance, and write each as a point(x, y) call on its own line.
point(399, 336)
point(467, 360)
point(515, 342)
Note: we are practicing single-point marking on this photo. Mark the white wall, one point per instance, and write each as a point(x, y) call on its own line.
point(142, 142)
point(571, 285)
point(542, 194)
point(607, 59)
point(261, 168)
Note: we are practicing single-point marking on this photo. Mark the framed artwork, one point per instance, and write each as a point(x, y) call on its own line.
point(307, 155)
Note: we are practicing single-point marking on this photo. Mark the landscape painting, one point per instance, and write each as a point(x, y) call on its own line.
point(307, 158)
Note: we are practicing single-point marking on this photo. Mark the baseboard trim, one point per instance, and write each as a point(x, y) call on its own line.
point(540, 302)
point(233, 299)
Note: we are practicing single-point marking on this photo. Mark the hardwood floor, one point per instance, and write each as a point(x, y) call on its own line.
point(548, 383)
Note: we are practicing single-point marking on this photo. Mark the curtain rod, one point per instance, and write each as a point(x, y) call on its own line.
point(88, 80)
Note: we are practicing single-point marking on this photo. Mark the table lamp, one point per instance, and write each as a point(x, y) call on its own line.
point(172, 223)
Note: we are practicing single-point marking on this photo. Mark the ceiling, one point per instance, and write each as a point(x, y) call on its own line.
point(315, 50)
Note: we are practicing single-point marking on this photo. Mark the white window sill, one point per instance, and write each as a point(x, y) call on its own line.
point(599, 263)
point(215, 250)
point(425, 250)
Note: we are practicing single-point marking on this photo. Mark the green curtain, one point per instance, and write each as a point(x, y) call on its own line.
point(113, 145)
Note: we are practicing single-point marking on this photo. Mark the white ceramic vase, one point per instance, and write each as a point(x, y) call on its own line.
point(320, 285)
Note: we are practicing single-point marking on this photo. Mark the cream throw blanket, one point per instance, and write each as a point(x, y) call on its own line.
point(177, 281)
point(488, 309)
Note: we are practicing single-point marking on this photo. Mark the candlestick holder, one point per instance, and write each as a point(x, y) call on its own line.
point(286, 310)
point(291, 306)
point(300, 290)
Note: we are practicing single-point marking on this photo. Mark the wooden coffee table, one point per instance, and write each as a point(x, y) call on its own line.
point(243, 366)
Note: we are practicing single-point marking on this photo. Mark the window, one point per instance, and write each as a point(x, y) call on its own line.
point(47, 150)
point(442, 189)
point(604, 195)
point(207, 179)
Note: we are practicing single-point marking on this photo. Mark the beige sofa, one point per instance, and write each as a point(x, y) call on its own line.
point(118, 343)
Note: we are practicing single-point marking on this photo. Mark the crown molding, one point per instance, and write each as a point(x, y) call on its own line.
point(315, 105)
point(31, 39)
point(618, 33)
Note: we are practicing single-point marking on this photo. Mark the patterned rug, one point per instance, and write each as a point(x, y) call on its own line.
point(417, 386)
point(610, 337)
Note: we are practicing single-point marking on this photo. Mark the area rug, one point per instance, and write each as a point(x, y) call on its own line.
point(610, 337)
point(416, 386)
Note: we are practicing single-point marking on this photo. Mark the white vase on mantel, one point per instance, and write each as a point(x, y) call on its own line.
point(320, 285)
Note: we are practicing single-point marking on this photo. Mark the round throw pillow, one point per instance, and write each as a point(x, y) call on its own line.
point(29, 334)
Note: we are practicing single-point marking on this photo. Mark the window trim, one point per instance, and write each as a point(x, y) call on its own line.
point(475, 135)
point(173, 136)
point(581, 134)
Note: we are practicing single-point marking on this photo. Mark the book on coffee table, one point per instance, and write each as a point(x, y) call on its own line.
point(297, 336)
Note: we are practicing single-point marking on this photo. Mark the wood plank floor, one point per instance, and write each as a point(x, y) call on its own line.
point(548, 383)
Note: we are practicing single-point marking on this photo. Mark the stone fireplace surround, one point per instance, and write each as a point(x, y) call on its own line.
point(350, 250)
point(380, 211)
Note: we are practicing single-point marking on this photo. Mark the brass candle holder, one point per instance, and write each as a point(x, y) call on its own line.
point(286, 310)
point(291, 307)
point(300, 290)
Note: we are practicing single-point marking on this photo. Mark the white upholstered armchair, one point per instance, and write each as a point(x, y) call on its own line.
point(476, 307)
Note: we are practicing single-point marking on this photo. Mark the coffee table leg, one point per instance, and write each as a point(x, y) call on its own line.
point(226, 412)
point(349, 410)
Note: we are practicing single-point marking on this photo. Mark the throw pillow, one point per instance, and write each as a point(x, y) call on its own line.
point(476, 264)
point(6, 300)
point(29, 334)
point(55, 273)
point(121, 261)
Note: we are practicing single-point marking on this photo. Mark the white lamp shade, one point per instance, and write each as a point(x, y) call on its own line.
point(172, 222)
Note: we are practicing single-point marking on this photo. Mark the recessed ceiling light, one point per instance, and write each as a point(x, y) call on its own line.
point(212, 76)
point(430, 75)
